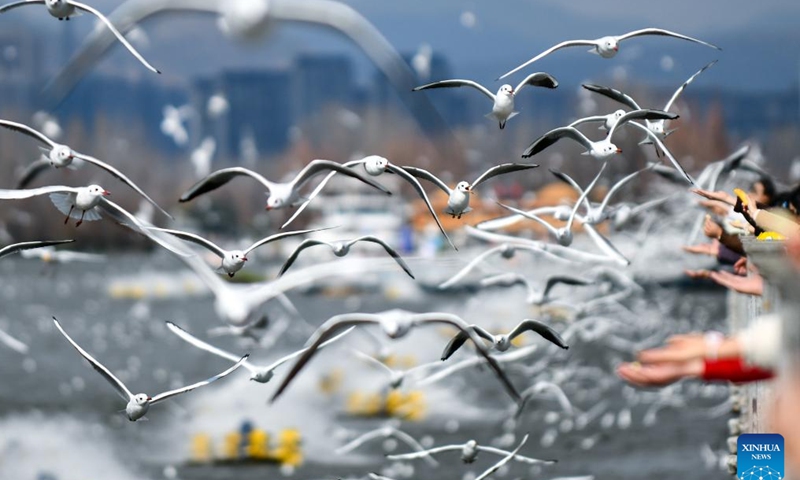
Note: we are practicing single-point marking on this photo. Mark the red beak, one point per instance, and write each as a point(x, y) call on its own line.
point(149, 399)
point(268, 208)
point(619, 150)
point(106, 193)
point(244, 259)
point(616, 49)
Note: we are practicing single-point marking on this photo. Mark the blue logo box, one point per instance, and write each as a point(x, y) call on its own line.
point(760, 456)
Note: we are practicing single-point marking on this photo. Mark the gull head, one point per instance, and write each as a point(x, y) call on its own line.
point(274, 202)
point(234, 260)
point(656, 127)
point(607, 47)
point(469, 452)
point(564, 237)
point(262, 376)
point(61, 155)
point(142, 399)
point(612, 119)
point(463, 187)
point(506, 90)
point(97, 191)
point(375, 165)
point(54, 3)
point(605, 149)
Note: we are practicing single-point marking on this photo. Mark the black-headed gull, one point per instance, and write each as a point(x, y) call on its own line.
point(59, 156)
point(597, 213)
point(607, 47)
point(535, 296)
point(539, 389)
point(342, 247)
point(18, 247)
point(500, 223)
point(376, 165)
point(458, 198)
point(602, 149)
point(395, 324)
point(657, 126)
point(232, 260)
point(281, 195)
point(257, 373)
point(139, 404)
point(503, 461)
point(510, 357)
point(86, 203)
point(608, 120)
point(396, 377)
point(503, 342)
point(51, 255)
point(503, 101)
point(563, 235)
point(64, 9)
point(386, 431)
point(469, 453)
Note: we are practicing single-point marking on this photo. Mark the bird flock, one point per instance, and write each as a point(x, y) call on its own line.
point(239, 307)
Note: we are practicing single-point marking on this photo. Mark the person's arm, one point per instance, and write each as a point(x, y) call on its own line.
point(733, 370)
point(776, 223)
point(727, 256)
point(733, 242)
point(761, 341)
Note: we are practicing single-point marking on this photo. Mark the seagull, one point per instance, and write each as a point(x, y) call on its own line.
point(172, 123)
point(89, 201)
point(509, 220)
point(469, 453)
point(396, 377)
point(232, 260)
point(60, 156)
point(342, 247)
point(281, 195)
point(535, 297)
point(503, 461)
point(506, 251)
point(657, 126)
point(18, 247)
point(139, 404)
point(51, 255)
point(598, 213)
point(608, 121)
point(503, 342)
point(503, 102)
point(13, 343)
point(604, 244)
point(395, 324)
point(376, 165)
point(607, 47)
point(539, 388)
point(202, 157)
point(257, 373)
point(513, 356)
point(64, 9)
point(458, 201)
point(384, 432)
point(562, 235)
point(601, 150)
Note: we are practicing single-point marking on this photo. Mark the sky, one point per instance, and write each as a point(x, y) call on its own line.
point(484, 38)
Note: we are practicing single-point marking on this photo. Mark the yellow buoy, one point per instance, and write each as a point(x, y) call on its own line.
point(258, 445)
point(230, 446)
point(201, 450)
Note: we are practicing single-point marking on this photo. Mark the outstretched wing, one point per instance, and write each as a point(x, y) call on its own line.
point(426, 175)
point(552, 137)
point(665, 33)
point(196, 239)
point(545, 331)
point(613, 94)
point(18, 127)
point(110, 378)
point(120, 37)
point(32, 171)
point(684, 85)
point(315, 167)
point(643, 114)
point(163, 396)
point(219, 178)
point(282, 360)
point(538, 79)
point(391, 251)
point(310, 242)
point(279, 236)
point(568, 43)
point(501, 170)
point(505, 460)
point(5, 251)
point(34, 192)
point(11, 6)
point(191, 339)
point(455, 83)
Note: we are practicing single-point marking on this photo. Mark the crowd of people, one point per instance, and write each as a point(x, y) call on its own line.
point(760, 351)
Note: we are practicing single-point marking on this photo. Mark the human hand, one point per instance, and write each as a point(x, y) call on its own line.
point(659, 374)
point(679, 348)
point(703, 249)
point(740, 267)
point(698, 273)
point(752, 285)
point(717, 208)
point(712, 229)
point(721, 196)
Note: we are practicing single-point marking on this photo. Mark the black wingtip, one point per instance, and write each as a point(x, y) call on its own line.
point(158, 71)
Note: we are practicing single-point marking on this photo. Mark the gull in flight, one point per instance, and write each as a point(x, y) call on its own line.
point(342, 248)
point(18, 247)
point(86, 203)
point(396, 377)
point(257, 373)
point(376, 165)
point(281, 195)
point(13, 343)
point(172, 123)
point(503, 102)
point(607, 47)
point(608, 121)
point(59, 156)
point(469, 453)
point(657, 126)
point(540, 388)
point(395, 324)
point(64, 9)
point(139, 404)
point(232, 260)
point(597, 213)
point(535, 296)
point(516, 355)
point(562, 235)
point(503, 342)
point(503, 222)
point(503, 461)
point(384, 432)
point(458, 198)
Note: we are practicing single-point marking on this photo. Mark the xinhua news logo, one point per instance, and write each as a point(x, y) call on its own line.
point(760, 456)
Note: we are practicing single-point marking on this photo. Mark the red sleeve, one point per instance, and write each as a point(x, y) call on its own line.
point(734, 370)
